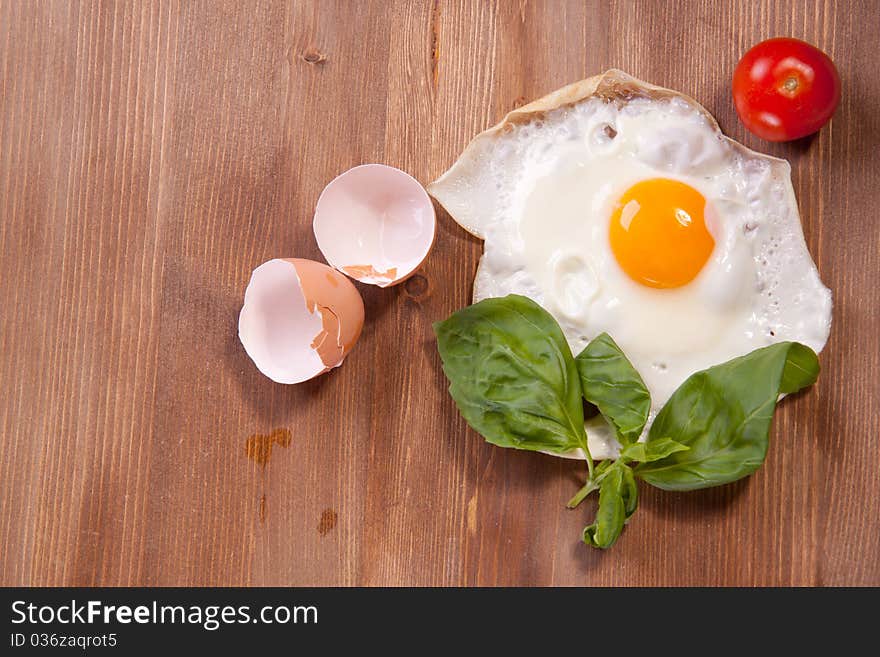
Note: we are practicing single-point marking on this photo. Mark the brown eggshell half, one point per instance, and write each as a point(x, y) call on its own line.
point(300, 318)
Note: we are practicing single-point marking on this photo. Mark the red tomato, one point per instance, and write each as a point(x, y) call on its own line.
point(785, 89)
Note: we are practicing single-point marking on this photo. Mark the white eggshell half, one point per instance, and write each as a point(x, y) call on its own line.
point(375, 223)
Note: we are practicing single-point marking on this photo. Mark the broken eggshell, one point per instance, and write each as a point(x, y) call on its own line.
point(300, 318)
point(375, 223)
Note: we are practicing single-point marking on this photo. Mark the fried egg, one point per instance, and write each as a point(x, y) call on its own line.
point(621, 208)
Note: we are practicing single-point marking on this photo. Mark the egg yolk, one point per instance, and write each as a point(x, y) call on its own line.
point(658, 233)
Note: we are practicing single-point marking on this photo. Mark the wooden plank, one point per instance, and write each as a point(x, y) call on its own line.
point(152, 154)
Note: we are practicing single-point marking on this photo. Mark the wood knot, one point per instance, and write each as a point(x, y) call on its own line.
point(314, 56)
point(416, 286)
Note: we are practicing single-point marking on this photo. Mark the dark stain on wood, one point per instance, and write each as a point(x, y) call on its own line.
point(327, 522)
point(258, 447)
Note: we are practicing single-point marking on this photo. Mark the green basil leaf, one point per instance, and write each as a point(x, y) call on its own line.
point(629, 490)
point(618, 500)
point(723, 415)
point(609, 381)
point(512, 375)
point(651, 451)
point(801, 368)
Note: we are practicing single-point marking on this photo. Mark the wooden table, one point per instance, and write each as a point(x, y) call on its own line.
point(153, 153)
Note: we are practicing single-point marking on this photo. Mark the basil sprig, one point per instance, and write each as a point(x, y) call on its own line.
point(515, 381)
point(618, 500)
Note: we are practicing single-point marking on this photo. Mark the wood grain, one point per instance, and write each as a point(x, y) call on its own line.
point(153, 153)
